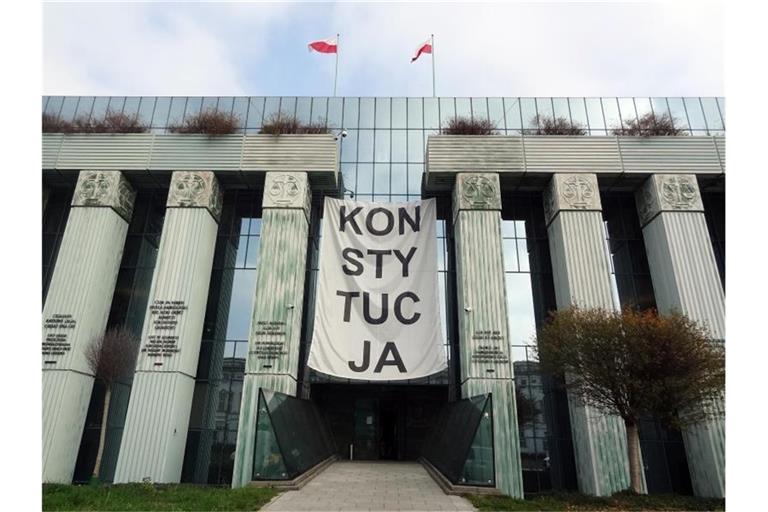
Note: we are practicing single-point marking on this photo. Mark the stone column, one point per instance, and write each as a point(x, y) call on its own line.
point(685, 278)
point(76, 311)
point(156, 423)
point(275, 333)
point(483, 328)
point(582, 276)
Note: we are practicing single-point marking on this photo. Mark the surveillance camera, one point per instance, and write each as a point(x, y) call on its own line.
point(343, 133)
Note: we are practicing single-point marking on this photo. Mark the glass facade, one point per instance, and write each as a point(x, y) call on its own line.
point(382, 159)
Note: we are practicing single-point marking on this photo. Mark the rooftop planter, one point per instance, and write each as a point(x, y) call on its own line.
point(317, 154)
point(518, 155)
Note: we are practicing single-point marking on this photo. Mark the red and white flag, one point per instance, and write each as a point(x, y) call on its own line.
point(324, 46)
point(426, 47)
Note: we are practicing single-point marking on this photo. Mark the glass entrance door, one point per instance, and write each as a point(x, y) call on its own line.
point(366, 429)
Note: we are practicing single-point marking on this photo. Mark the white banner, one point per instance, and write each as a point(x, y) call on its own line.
point(377, 315)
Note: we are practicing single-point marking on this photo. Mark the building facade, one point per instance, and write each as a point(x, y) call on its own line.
point(185, 239)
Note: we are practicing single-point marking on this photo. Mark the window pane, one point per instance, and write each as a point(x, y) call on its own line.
point(695, 115)
point(349, 175)
point(319, 111)
point(303, 109)
point(561, 108)
point(544, 107)
point(415, 114)
point(69, 108)
point(381, 179)
point(382, 146)
point(447, 111)
point(399, 179)
point(399, 116)
point(479, 108)
point(146, 109)
point(193, 107)
point(512, 114)
point(288, 106)
point(399, 146)
point(431, 114)
point(240, 304)
point(383, 113)
point(159, 117)
point(209, 102)
point(349, 147)
point(643, 106)
point(54, 105)
point(350, 112)
point(84, 107)
point(335, 110)
point(463, 107)
point(415, 146)
point(415, 171)
point(510, 254)
point(594, 114)
point(252, 256)
point(721, 103)
point(366, 112)
point(176, 113)
point(496, 113)
point(712, 114)
point(255, 112)
point(522, 323)
point(611, 113)
point(364, 179)
point(224, 104)
point(678, 112)
point(660, 106)
point(365, 146)
point(528, 111)
point(627, 110)
point(271, 107)
point(240, 110)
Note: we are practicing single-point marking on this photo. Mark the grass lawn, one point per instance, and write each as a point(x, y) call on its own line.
point(620, 501)
point(154, 497)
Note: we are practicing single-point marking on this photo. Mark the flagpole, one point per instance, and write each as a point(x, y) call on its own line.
point(432, 42)
point(336, 72)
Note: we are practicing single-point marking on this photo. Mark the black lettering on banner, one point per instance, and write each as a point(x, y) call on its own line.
point(390, 348)
point(403, 217)
point(367, 309)
point(343, 219)
point(379, 253)
point(399, 312)
point(405, 260)
point(379, 232)
point(358, 264)
point(348, 296)
point(366, 359)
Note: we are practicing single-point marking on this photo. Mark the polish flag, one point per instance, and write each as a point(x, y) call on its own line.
point(324, 46)
point(426, 47)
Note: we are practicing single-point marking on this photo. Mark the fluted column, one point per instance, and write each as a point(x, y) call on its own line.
point(582, 277)
point(685, 278)
point(275, 332)
point(156, 423)
point(483, 328)
point(76, 311)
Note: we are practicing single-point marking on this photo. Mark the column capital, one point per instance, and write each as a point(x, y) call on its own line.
point(667, 193)
point(287, 190)
point(195, 189)
point(476, 191)
point(571, 192)
point(105, 189)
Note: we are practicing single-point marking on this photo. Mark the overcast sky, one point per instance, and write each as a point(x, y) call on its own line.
point(523, 49)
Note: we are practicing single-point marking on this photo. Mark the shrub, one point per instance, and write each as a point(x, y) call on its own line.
point(556, 126)
point(467, 126)
point(650, 125)
point(113, 122)
point(281, 123)
point(208, 122)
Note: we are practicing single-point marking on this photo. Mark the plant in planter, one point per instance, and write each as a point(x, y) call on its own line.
point(556, 126)
point(281, 123)
point(208, 122)
point(650, 125)
point(113, 122)
point(467, 126)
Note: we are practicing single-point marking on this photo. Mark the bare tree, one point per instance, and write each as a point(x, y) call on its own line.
point(111, 357)
point(556, 126)
point(649, 125)
point(636, 364)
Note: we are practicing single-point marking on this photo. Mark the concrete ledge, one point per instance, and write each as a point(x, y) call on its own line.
point(298, 482)
point(450, 488)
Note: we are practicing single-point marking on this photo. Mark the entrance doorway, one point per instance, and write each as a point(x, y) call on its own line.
point(379, 422)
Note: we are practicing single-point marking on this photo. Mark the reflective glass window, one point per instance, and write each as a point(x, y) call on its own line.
point(560, 106)
point(415, 113)
point(528, 113)
point(240, 110)
point(319, 112)
point(595, 116)
point(84, 107)
point(194, 105)
point(53, 106)
point(364, 179)
point(399, 113)
point(383, 112)
point(611, 113)
point(712, 114)
point(69, 107)
point(365, 146)
point(544, 108)
point(463, 107)
point(660, 106)
point(399, 179)
point(431, 113)
point(381, 146)
point(643, 106)
point(415, 146)
point(288, 106)
point(209, 102)
point(349, 147)
point(350, 112)
point(335, 113)
point(415, 172)
point(224, 104)
point(447, 111)
point(496, 113)
point(721, 104)
point(479, 108)
point(176, 114)
point(255, 112)
point(271, 108)
point(513, 115)
point(399, 146)
point(677, 108)
point(159, 116)
point(381, 178)
point(627, 110)
point(367, 111)
point(146, 109)
point(304, 109)
point(695, 114)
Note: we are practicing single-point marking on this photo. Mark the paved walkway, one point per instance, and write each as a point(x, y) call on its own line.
point(370, 486)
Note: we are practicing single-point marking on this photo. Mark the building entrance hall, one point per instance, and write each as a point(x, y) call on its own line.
point(379, 422)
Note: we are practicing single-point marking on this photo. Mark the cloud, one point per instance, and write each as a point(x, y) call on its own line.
point(481, 49)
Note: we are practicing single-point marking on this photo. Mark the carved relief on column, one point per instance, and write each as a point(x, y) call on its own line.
point(287, 190)
point(195, 189)
point(668, 193)
point(107, 189)
point(476, 191)
point(573, 192)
